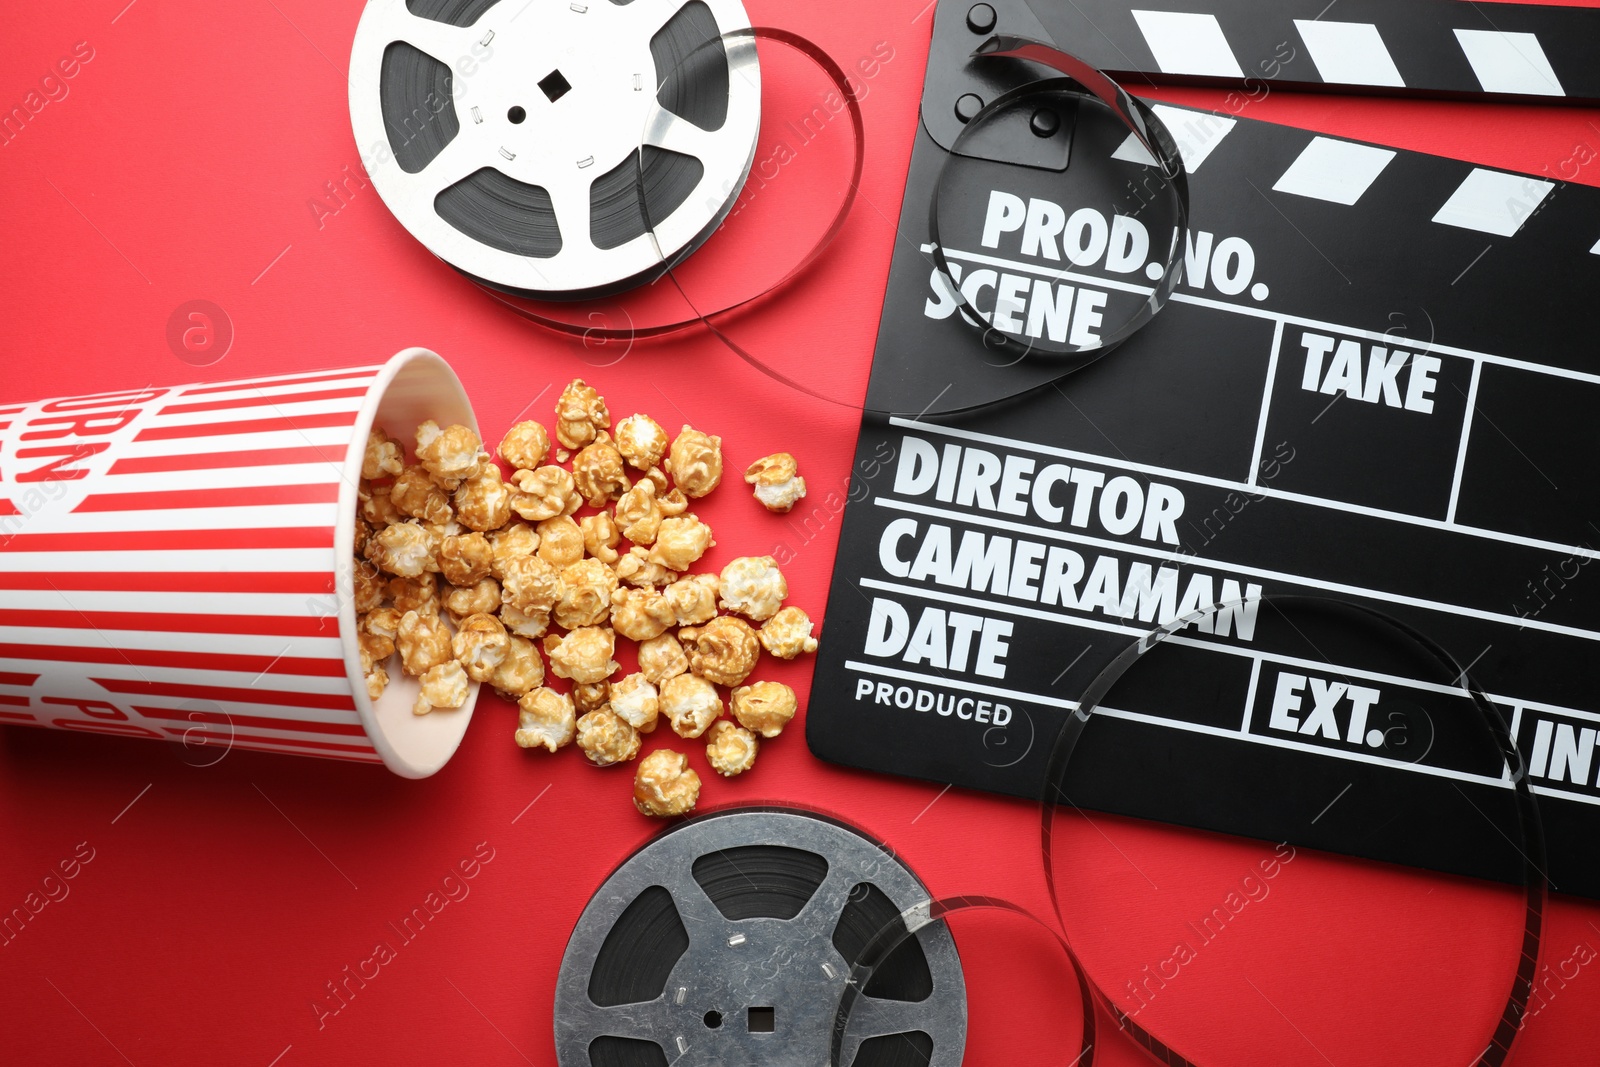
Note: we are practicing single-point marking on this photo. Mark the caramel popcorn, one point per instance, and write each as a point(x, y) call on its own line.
point(730, 749)
point(483, 502)
point(693, 598)
point(638, 515)
point(661, 658)
point(480, 646)
point(591, 696)
point(724, 650)
point(515, 559)
point(680, 541)
point(444, 686)
point(545, 719)
point(640, 614)
point(524, 623)
point(415, 494)
point(777, 482)
point(606, 739)
point(383, 456)
point(465, 559)
point(601, 537)
point(530, 585)
point(364, 653)
point(376, 507)
point(525, 445)
point(437, 532)
point(517, 541)
point(788, 633)
point(450, 455)
point(658, 478)
point(560, 541)
point(753, 586)
point(544, 493)
point(586, 591)
point(638, 570)
point(580, 415)
point(374, 652)
point(377, 680)
point(765, 707)
point(482, 597)
point(376, 645)
point(690, 703)
point(672, 503)
point(597, 472)
point(424, 643)
point(583, 655)
point(695, 462)
point(637, 701)
point(419, 594)
point(520, 671)
point(404, 550)
point(384, 623)
point(369, 587)
point(665, 785)
point(642, 441)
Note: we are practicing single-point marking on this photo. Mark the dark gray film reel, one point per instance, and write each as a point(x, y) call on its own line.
point(729, 940)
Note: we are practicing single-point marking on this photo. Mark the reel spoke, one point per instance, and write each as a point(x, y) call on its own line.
point(463, 156)
point(647, 1021)
point(682, 136)
point(570, 199)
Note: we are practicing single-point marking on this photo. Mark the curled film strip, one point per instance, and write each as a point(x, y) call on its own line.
point(968, 172)
point(1485, 724)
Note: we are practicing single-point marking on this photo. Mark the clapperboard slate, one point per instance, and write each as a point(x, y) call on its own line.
point(1379, 381)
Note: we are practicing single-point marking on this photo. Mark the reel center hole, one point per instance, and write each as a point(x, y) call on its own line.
point(554, 85)
point(713, 1020)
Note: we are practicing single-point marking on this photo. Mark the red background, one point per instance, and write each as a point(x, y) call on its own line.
point(219, 904)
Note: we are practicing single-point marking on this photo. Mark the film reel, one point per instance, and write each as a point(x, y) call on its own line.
point(511, 133)
point(731, 938)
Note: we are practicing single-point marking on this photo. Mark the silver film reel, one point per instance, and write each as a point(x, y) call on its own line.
point(504, 134)
point(729, 939)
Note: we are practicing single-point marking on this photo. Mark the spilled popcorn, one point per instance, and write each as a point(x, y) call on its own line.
point(463, 572)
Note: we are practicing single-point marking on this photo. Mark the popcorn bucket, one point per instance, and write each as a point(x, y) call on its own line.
point(175, 563)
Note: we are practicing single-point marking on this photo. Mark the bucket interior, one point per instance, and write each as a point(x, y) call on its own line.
point(416, 386)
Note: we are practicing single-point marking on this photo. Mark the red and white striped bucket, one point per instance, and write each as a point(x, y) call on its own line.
point(175, 563)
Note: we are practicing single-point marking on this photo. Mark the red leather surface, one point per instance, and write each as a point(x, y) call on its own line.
point(212, 906)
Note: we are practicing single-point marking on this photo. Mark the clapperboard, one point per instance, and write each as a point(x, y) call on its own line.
point(1377, 381)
